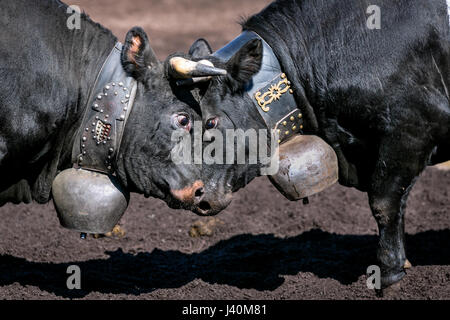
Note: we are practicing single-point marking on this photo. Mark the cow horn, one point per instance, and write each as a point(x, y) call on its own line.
point(181, 68)
point(192, 81)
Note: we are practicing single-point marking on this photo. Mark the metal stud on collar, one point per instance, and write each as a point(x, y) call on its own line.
point(292, 124)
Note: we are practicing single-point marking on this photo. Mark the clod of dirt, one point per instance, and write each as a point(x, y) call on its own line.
point(116, 232)
point(407, 265)
point(444, 166)
point(201, 228)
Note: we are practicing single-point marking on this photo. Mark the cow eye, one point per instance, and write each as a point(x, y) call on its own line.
point(211, 123)
point(182, 121)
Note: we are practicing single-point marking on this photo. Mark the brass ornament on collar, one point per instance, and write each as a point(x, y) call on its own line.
point(273, 93)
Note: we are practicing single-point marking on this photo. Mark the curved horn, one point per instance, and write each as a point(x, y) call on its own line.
point(181, 68)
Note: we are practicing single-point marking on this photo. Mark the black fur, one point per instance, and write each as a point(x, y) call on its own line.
point(244, 65)
point(200, 48)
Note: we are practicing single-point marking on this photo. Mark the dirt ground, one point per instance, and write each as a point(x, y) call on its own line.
point(261, 247)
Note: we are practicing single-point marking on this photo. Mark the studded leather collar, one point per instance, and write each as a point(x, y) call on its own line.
point(109, 105)
point(269, 89)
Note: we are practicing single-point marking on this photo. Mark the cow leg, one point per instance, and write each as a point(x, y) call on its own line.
point(391, 183)
point(389, 211)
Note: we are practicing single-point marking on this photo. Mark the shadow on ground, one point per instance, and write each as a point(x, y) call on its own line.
point(244, 261)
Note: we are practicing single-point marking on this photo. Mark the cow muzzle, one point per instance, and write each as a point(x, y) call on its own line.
point(88, 201)
point(211, 204)
point(198, 199)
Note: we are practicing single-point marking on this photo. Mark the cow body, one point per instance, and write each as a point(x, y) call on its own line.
point(379, 97)
point(47, 72)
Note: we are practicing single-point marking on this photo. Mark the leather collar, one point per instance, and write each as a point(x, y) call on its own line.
point(109, 105)
point(269, 89)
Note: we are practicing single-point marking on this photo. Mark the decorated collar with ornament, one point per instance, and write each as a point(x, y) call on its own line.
point(109, 105)
point(270, 90)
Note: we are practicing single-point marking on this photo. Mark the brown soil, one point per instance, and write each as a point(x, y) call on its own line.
point(263, 246)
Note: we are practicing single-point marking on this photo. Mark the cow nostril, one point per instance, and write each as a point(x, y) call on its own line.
point(199, 192)
point(204, 206)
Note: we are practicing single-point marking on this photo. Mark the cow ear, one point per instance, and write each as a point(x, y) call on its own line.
point(245, 64)
point(137, 55)
point(200, 48)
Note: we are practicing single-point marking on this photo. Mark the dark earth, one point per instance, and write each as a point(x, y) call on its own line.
point(262, 247)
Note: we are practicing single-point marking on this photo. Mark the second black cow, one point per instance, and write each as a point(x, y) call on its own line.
point(378, 95)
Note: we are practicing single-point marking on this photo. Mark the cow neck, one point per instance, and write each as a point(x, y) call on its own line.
point(109, 106)
point(269, 89)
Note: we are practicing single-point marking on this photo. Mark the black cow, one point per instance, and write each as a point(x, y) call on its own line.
point(46, 73)
point(379, 97)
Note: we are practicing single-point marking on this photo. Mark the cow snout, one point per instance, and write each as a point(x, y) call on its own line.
point(211, 203)
point(191, 194)
point(201, 201)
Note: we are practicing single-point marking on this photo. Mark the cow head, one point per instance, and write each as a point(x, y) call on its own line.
point(144, 164)
point(224, 106)
point(302, 166)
